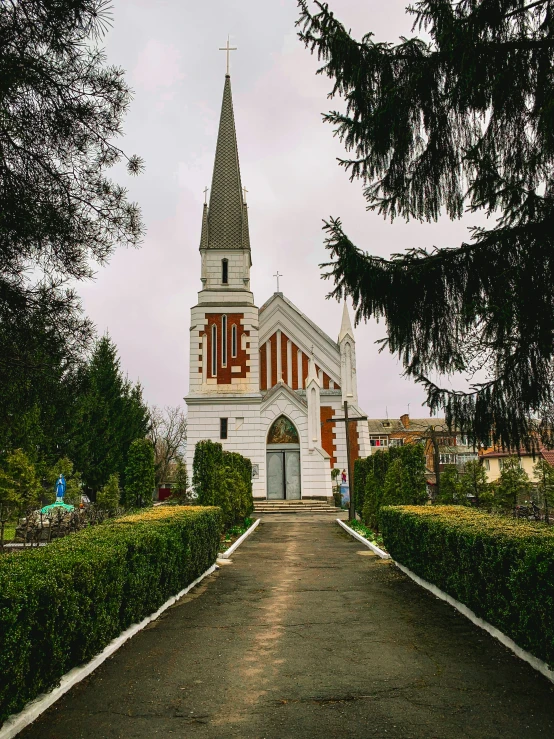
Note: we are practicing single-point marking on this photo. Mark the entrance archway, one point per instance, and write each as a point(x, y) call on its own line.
point(283, 461)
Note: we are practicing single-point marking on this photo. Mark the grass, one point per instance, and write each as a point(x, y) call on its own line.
point(232, 534)
point(367, 533)
point(9, 532)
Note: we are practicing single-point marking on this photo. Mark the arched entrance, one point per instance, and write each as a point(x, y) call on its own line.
point(283, 461)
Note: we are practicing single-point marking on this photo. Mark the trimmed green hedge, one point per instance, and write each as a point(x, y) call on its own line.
point(502, 570)
point(223, 479)
point(60, 605)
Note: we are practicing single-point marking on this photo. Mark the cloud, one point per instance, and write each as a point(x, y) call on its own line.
point(158, 67)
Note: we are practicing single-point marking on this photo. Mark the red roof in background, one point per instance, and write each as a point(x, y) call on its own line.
point(548, 455)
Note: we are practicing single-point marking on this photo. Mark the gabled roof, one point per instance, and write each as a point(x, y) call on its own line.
point(304, 317)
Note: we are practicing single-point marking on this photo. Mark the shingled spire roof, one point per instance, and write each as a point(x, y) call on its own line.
point(225, 225)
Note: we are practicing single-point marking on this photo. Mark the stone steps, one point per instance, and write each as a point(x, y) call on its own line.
point(295, 506)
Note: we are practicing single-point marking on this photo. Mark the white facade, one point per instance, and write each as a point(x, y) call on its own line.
point(249, 367)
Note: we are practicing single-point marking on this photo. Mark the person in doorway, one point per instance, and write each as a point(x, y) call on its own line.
point(343, 477)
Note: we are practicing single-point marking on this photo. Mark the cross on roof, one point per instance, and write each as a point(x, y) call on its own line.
point(227, 49)
point(244, 191)
point(206, 191)
point(277, 276)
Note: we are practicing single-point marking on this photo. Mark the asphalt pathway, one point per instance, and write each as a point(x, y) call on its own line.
point(306, 634)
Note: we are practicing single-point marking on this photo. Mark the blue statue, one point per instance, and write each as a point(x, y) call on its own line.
point(60, 488)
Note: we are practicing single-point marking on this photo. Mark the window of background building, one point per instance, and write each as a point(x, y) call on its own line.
point(223, 424)
point(396, 442)
point(379, 440)
point(224, 271)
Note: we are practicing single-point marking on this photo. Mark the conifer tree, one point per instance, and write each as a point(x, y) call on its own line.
point(139, 474)
point(112, 415)
point(474, 483)
point(61, 108)
point(544, 474)
point(513, 484)
point(108, 496)
point(451, 491)
point(461, 121)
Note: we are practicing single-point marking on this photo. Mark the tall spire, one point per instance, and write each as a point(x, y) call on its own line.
point(346, 326)
point(227, 221)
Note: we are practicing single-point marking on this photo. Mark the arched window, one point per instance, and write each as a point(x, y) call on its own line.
point(225, 271)
point(224, 341)
point(234, 341)
point(214, 350)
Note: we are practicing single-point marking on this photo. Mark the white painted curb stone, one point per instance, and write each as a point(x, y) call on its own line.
point(535, 662)
point(228, 552)
point(359, 537)
point(16, 723)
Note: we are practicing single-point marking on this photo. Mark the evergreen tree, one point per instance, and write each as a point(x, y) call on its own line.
point(139, 474)
point(61, 107)
point(544, 473)
point(451, 488)
point(513, 484)
point(393, 489)
point(111, 416)
point(180, 488)
point(108, 496)
point(460, 121)
point(474, 483)
point(372, 502)
point(18, 480)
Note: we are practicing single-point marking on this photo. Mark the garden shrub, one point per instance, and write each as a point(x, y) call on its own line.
point(208, 456)
point(393, 477)
point(62, 604)
point(223, 479)
point(140, 475)
point(500, 568)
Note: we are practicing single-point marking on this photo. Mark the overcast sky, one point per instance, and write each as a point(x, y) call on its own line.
point(169, 50)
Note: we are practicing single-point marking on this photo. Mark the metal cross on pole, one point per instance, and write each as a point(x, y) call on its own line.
point(347, 420)
point(228, 49)
point(206, 191)
point(244, 191)
point(277, 276)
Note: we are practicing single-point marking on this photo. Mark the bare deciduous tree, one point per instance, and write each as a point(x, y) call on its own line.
point(168, 434)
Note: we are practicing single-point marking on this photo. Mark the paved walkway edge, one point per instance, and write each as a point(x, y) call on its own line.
point(234, 546)
point(16, 723)
point(535, 662)
point(359, 537)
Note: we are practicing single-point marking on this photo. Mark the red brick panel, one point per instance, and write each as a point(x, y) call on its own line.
point(224, 374)
point(284, 363)
point(294, 367)
point(273, 341)
point(263, 368)
point(327, 436)
point(304, 369)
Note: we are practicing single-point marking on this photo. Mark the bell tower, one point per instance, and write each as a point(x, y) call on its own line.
point(224, 389)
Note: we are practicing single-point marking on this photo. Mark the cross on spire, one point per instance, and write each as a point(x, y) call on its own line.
point(277, 276)
point(206, 191)
point(228, 49)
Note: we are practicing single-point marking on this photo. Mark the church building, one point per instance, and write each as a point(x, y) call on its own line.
point(264, 382)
